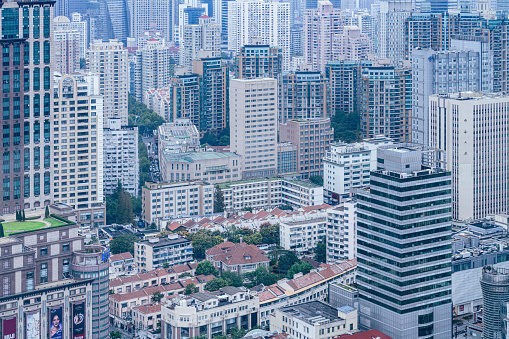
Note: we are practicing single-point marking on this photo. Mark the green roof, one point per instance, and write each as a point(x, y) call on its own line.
point(197, 156)
point(294, 181)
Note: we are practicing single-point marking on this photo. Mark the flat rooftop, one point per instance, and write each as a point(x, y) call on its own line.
point(313, 312)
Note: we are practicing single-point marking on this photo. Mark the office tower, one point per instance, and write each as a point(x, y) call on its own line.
point(404, 246)
point(109, 60)
point(342, 231)
point(391, 30)
point(188, 13)
point(495, 296)
point(146, 13)
point(258, 60)
point(297, 40)
point(312, 137)
point(385, 103)
point(268, 20)
point(75, 24)
point(120, 157)
point(213, 78)
point(424, 30)
point(466, 126)
point(253, 125)
point(152, 67)
point(345, 84)
point(205, 36)
point(118, 19)
point(78, 140)
point(443, 6)
point(354, 45)
point(67, 46)
point(304, 95)
point(322, 28)
point(27, 119)
point(445, 72)
point(286, 158)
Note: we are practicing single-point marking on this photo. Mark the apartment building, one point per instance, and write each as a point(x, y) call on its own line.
point(120, 159)
point(78, 143)
point(354, 45)
point(77, 23)
point(154, 252)
point(253, 125)
point(391, 18)
point(147, 317)
point(122, 264)
point(286, 158)
point(151, 67)
point(210, 314)
point(162, 201)
point(162, 14)
point(239, 258)
point(270, 193)
point(205, 36)
point(312, 138)
point(342, 231)
point(302, 232)
point(424, 30)
point(258, 60)
point(109, 60)
point(67, 46)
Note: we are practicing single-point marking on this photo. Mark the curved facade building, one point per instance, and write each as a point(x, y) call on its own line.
point(92, 262)
point(495, 292)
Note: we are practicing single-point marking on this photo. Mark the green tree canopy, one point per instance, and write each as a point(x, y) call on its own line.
point(123, 243)
point(146, 119)
point(286, 261)
point(232, 278)
point(316, 179)
point(215, 284)
point(218, 200)
point(157, 297)
point(190, 289)
point(321, 251)
point(1, 230)
point(270, 234)
point(119, 207)
point(302, 266)
point(202, 241)
point(346, 126)
point(115, 335)
point(261, 275)
point(206, 268)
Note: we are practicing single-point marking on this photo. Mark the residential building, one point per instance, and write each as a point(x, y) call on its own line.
point(147, 317)
point(286, 158)
point(145, 13)
point(109, 60)
point(391, 30)
point(312, 138)
point(258, 60)
point(268, 20)
point(121, 264)
point(495, 290)
point(213, 77)
point(239, 258)
point(152, 67)
point(27, 121)
point(155, 252)
point(270, 193)
point(474, 150)
point(205, 36)
point(77, 23)
point(404, 223)
point(180, 135)
point(342, 231)
point(162, 201)
point(347, 166)
point(343, 295)
point(78, 143)
point(211, 167)
point(210, 314)
point(424, 30)
point(253, 125)
point(315, 319)
point(323, 26)
point(303, 95)
point(386, 102)
point(354, 45)
point(304, 231)
point(369, 334)
point(67, 46)
point(120, 159)
point(443, 72)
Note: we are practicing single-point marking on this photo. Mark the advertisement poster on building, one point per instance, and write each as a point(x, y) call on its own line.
point(33, 325)
point(55, 323)
point(9, 328)
point(78, 321)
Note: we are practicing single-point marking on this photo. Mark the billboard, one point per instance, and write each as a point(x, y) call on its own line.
point(33, 323)
point(78, 321)
point(9, 328)
point(55, 323)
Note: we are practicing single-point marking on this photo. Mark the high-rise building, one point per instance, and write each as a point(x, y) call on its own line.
point(322, 28)
point(109, 60)
point(152, 67)
point(78, 145)
point(258, 60)
point(442, 6)
point(304, 95)
point(446, 72)
point(205, 36)
point(120, 157)
point(75, 24)
point(467, 126)
point(268, 20)
point(391, 29)
point(67, 46)
point(213, 79)
point(385, 104)
point(342, 231)
point(253, 125)
point(27, 120)
point(495, 295)
point(146, 13)
point(404, 246)
point(354, 45)
point(424, 30)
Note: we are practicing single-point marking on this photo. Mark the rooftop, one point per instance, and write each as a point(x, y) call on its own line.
point(161, 242)
point(313, 312)
point(197, 156)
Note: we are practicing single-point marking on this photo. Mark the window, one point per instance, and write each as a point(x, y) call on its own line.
point(6, 188)
point(6, 288)
point(30, 281)
point(37, 79)
point(44, 273)
point(6, 162)
point(44, 251)
point(26, 184)
point(36, 22)
point(17, 186)
point(65, 268)
point(6, 264)
point(6, 82)
point(66, 247)
point(6, 108)
point(37, 184)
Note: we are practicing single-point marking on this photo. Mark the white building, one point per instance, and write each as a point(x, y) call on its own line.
point(354, 45)
point(304, 231)
point(147, 14)
point(269, 20)
point(342, 231)
point(109, 60)
point(253, 124)
point(177, 136)
point(206, 36)
point(121, 157)
point(155, 252)
point(152, 67)
point(391, 29)
point(67, 46)
point(470, 128)
point(75, 24)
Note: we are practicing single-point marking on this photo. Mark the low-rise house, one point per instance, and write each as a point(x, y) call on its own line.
point(147, 317)
point(156, 252)
point(122, 264)
point(239, 258)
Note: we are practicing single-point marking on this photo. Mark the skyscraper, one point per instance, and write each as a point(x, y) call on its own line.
point(205, 36)
point(147, 13)
point(67, 46)
point(27, 119)
point(404, 246)
point(258, 60)
point(495, 296)
point(391, 29)
point(354, 45)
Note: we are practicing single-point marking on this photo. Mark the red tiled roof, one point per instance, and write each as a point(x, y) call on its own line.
point(261, 214)
point(266, 295)
point(204, 17)
point(277, 211)
point(316, 207)
point(305, 280)
point(173, 226)
point(248, 215)
point(204, 221)
point(371, 334)
point(189, 223)
point(121, 256)
point(181, 268)
point(219, 248)
point(146, 309)
point(219, 219)
point(237, 254)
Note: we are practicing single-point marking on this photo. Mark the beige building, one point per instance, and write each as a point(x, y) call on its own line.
point(354, 45)
point(239, 258)
point(147, 317)
point(253, 125)
point(206, 36)
point(155, 252)
point(67, 46)
point(304, 231)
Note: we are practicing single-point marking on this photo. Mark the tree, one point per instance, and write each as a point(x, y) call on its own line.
point(157, 297)
point(166, 265)
point(190, 289)
point(286, 261)
point(1, 230)
point(270, 233)
point(321, 251)
point(123, 243)
point(206, 268)
point(299, 267)
point(232, 278)
point(316, 179)
point(115, 335)
point(248, 209)
point(46, 212)
point(119, 207)
point(237, 333)
point(137, 209)
point(261, 275)
point(346, 126)
point(202, 241)
point(215, 284)
point(17, 216)
point(185, 274)
point(286, 207)
point(23, 217)
point(254, 239)
point(218, 200)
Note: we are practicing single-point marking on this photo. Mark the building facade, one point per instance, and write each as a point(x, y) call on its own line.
point(342, 231)
point(155, 252)
point(304, 232)
point(67, 46)
point(258, 60)
point(391, 30)
point(495, 292)
point(354, 45)
point(205, 36)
